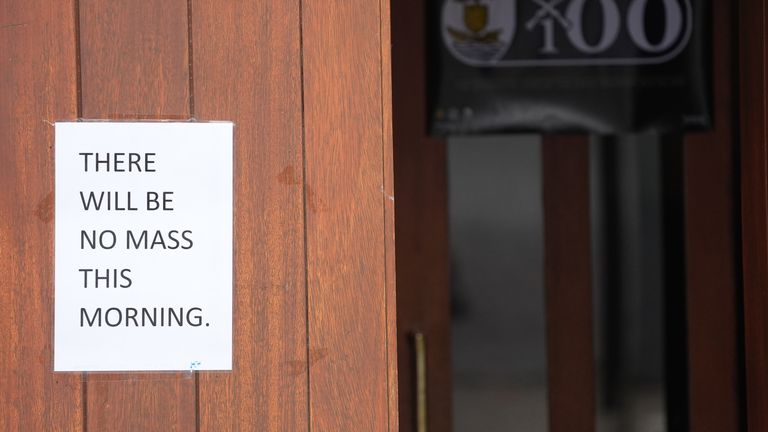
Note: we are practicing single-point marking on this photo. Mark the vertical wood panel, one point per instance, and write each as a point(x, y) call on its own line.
point(134, 59)
point(134, 65)
point(754, 208)
point(568, 283)
point(711, 250)
point(388, 165)
point(247, 68)
point(423, 286)
point(38, 85)
point(346, 185)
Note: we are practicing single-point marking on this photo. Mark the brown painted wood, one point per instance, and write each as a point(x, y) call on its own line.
point(346, 191)
point(247, 68)
point(568, 283)
point(38, 85)
point(754, 205)
point(423, 286)
point(134, 65)
point(710, 231)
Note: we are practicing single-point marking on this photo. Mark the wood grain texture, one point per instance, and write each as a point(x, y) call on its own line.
point(134, 65)
point(423, 286)
point(247, 68)
point(568, 283)
point(754, 205)
point(346, 187)
point(390, 244)
point(38, 85)
point(134, 59)
point(711, 269)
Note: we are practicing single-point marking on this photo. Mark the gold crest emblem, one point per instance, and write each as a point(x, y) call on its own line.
point(475, 20)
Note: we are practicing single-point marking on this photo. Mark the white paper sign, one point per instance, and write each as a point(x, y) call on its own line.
point(143, 246)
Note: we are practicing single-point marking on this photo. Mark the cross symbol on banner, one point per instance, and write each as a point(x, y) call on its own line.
point(547, 9)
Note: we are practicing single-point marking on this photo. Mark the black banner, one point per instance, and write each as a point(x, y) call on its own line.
point(603, 66)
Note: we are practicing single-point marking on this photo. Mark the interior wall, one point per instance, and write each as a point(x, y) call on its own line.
point(496, 232)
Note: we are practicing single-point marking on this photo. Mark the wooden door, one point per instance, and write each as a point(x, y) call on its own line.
point(307, 85)
point(753, 65)
point(707, 394)
point(423, 286)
